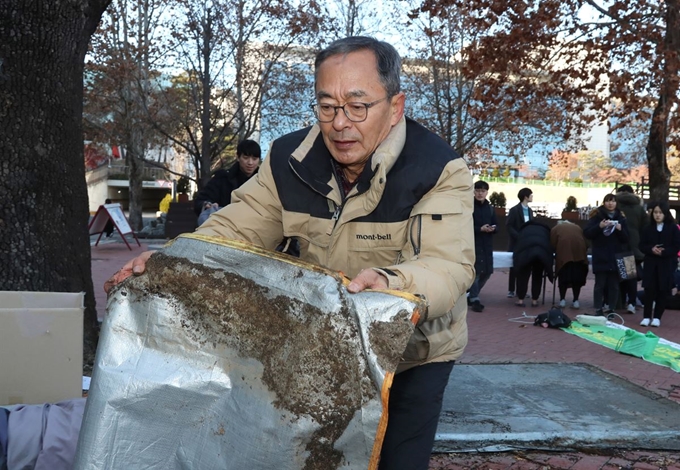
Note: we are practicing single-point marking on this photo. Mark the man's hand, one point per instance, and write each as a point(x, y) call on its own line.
point(367, 279)
point(135, 266)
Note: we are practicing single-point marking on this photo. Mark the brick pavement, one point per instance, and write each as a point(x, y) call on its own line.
point(504, 333)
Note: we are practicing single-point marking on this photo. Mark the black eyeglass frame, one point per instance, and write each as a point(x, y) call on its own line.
point(315, 109)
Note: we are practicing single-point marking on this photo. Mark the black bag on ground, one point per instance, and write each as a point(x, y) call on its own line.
point(553, 318)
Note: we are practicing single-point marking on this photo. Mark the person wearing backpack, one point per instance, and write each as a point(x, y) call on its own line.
point(637, 219)
point(485, 228)
point(518, 215)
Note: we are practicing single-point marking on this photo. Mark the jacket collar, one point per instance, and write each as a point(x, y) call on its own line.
point(312, 162)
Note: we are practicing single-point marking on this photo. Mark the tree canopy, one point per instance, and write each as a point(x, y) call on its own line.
point(606, 60)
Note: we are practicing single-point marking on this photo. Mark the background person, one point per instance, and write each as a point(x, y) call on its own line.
point(109, 227)
point(571, 260)
point(517, 216)
point(532, 257)
point(636, 219)
point(660, 242)
point(608, 234)
point(363, 169)
point(484, 217)
point(217, 193)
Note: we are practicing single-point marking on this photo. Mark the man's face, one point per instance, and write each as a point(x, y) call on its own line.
point(354, 78)
point(480, 194)
point(530, 198)
point(248, 164)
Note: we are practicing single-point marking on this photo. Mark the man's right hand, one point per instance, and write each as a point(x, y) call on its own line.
point(135, 266)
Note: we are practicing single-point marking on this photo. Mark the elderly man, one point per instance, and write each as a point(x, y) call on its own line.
point(373, 194)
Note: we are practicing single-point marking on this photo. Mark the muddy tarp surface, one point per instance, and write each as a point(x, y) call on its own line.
point(225, 356)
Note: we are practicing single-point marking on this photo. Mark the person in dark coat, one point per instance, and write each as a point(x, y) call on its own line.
point(484, 217)
point(217, 193)
point(608, 232)
point(660, 242)
point(636, 219)
point(571, 259)
point(517, 216)
point(108, 228)
point(533, 255)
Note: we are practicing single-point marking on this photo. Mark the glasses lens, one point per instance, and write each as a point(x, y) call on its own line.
point(324, 112)
point(356, 111)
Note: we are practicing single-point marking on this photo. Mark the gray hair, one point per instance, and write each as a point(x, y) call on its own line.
point(387, 57)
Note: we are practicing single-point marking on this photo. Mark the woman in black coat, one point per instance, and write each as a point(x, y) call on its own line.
point(660, 242)
point(608, 232)
point(532, 256)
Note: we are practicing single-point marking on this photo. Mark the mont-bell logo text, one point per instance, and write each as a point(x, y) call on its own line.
point(374, 236)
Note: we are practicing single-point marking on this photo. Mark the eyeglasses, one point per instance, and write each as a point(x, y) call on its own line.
point(354, 110)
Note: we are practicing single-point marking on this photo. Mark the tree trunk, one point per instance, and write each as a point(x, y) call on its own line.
point(659, 174)
point(44, 241)
point(206, 92)
point(135, 155)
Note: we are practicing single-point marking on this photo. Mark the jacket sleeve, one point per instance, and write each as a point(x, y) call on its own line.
point(210, 193)
point(254, 214)
point(494, 221)
point(592, 230)
point(622, 235)
point(646, 243)
point(443, 270)
point(676, 240)
point(513, 229)
point(673, 236)
point(553, 237)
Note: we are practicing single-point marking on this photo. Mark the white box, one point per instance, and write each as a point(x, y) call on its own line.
point(41, 347)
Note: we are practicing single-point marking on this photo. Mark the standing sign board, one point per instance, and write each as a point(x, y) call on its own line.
point(114, 213)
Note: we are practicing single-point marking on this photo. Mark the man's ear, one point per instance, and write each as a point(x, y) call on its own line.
point(398, 102)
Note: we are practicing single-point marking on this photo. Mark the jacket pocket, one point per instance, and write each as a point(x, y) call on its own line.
point(375, 245)
point(311, 232)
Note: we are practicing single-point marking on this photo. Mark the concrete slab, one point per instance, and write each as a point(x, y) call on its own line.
point(498, 407)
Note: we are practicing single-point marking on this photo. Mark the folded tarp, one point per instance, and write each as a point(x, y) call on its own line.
point(40, 437)
point(226, 356)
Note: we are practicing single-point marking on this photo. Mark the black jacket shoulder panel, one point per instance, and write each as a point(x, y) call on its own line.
point(298, 183)
point(414, 173)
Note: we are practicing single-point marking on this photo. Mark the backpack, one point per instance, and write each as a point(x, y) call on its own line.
point(553, 318)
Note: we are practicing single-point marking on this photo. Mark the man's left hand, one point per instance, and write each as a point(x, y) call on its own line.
point(367, 279)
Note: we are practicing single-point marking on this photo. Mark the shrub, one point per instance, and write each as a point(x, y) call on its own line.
point(183, 185)
point(497, 199)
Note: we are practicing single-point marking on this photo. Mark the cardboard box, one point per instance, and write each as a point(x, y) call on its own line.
point(41, 347)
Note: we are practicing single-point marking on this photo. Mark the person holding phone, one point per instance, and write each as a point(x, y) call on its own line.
point(607, 230)
point(660, 242)
point(484, 217)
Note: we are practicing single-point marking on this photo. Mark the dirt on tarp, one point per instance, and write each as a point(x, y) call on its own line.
point(310, 358)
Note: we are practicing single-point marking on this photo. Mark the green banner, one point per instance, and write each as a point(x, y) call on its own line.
point(625, 340)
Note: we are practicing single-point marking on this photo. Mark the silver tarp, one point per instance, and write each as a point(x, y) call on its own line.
point(226, 356)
